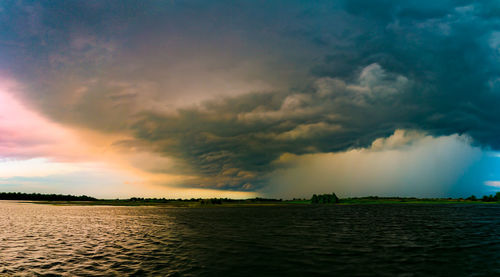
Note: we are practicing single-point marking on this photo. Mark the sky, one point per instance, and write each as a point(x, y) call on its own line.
point(240, 99)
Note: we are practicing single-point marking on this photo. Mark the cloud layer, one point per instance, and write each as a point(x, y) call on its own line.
point(223, 97)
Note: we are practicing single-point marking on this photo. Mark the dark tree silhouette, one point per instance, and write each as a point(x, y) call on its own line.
point(43, 197)
point(324, 199)
point(472, 198)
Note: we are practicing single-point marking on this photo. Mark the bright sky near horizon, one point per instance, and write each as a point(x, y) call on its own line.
point(250, 98)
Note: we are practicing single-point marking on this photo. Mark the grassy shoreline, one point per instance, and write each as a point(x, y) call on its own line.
point(324, 199)
point(249, 203)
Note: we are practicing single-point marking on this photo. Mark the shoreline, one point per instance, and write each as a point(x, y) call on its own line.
point(195, 204)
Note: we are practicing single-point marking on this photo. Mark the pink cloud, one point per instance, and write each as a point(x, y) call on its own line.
point(24, 134)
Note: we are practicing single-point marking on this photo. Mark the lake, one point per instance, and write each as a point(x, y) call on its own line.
point(360, 240)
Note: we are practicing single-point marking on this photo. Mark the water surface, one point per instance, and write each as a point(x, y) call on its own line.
point(362, 240)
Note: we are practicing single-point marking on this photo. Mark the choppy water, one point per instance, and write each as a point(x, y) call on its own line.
point(404, 240)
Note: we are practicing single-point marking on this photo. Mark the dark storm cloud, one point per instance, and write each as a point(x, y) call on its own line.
point(289, 76)
point(243, 135)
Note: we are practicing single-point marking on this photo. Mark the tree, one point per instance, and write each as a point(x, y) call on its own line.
point(335, 199)
point(314, 199)
point(324, 199)
point(472, 198)
point(489, 198)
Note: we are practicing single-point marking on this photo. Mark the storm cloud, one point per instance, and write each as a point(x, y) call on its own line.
point(226, 89)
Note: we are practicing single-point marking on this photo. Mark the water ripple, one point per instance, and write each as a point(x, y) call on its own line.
point(383, 240)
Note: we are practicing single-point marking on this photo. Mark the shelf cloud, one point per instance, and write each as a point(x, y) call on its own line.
point(219, 92)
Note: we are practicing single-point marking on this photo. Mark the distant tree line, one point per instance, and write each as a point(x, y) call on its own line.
point(324, 199)
point(218, 201)
point(486, 198)
point(203, 201)
point(152, 200)
point(43, 197)
point(213, 201)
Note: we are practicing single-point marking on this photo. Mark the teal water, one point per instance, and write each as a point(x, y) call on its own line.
point(365, 240)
